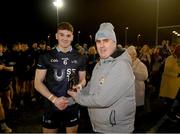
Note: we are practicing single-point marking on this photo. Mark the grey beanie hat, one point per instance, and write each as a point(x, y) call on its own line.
point(106, 31)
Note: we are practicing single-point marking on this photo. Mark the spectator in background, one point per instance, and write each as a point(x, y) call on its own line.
point(110, 94)
point(93, 58)
point(3, 126)
point(157, 66)
point(145, 56)
point(165, 49)
point(6, 69)
point(141, 74)
point(170, 82)
point(6, 76)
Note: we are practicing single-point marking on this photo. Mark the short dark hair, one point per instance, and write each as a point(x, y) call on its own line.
point(65, 26)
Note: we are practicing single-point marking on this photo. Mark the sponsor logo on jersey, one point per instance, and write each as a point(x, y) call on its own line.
point(53, 60)
point(65, 60)
point(61, 75)
point(74, 61)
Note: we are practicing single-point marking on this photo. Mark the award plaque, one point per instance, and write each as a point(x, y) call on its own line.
point(73, 80)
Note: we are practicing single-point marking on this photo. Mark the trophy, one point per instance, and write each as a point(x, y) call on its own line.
point(73, 80)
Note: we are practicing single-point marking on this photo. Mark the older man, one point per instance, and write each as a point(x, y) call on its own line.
point(110, 94)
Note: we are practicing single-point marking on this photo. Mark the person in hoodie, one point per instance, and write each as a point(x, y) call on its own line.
point(110, 93)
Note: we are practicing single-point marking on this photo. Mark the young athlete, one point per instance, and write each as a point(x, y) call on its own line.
point(52, 81)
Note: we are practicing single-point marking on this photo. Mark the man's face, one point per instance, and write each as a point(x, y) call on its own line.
point(105, 47)
point(64, 38)
point(133, 56)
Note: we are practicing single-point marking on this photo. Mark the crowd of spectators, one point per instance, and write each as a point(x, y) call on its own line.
point(23, 58)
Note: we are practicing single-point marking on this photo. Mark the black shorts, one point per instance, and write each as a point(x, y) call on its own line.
point(68, 118)
point(5, 86)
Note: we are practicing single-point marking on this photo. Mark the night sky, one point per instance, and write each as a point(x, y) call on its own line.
point(27, 20)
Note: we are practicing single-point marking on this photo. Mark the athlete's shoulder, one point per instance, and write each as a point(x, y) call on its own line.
point(48, 54)
point(53, 51)
point(74, 51)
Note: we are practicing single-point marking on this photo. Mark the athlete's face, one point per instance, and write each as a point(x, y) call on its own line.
point(64, 38)
point(105, 47)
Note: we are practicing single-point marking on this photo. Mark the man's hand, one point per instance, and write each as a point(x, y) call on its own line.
point(76, 88)
point(61, 103)
point(72, 93)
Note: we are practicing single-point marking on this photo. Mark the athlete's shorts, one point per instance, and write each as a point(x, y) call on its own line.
point(4, 86)
point(69, 118)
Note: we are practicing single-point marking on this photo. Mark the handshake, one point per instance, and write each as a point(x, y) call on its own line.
point(62, 102)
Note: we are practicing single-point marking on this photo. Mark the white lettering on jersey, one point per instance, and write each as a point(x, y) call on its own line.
point(69, 72)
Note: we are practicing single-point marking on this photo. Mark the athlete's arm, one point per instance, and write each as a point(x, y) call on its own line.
point(60, 102)
point(6, 68)
point(38, 82)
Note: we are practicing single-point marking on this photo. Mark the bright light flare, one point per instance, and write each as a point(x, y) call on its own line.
point(58, 3)
point(139, 35)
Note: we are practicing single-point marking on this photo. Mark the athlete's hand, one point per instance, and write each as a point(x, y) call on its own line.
point(61, 103)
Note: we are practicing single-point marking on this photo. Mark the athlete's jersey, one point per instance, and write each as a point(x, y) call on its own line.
point(6, 76)
point(59, 66)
